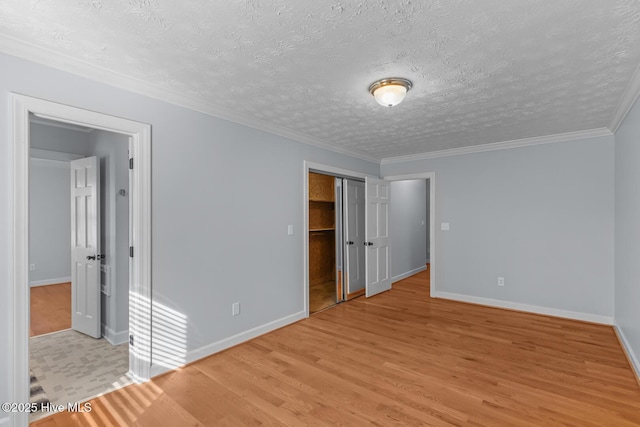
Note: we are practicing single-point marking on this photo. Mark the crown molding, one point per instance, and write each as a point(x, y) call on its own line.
point(103, 75)
point(627, 101)
point(504, 145)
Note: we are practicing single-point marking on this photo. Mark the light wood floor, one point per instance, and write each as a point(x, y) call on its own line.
point(50, 309)
point(399, 358)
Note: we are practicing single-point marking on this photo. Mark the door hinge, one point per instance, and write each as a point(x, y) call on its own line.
point(131, 340)
point(131, 163)
point(131, 251)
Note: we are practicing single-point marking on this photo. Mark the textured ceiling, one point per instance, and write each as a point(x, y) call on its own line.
point(483, 71)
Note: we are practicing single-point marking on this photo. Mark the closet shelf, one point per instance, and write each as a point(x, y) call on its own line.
point(322, 229)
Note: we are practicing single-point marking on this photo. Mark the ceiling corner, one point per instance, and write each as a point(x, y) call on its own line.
point(627, 101)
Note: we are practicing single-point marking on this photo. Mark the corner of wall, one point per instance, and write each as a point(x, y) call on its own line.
point(628, 351)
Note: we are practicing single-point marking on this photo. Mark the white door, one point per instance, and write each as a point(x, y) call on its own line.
point(85, 246)
point(354, 236)
point(377, 256)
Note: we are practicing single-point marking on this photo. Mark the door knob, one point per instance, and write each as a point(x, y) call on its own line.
point(91, 257)
point(349, 242)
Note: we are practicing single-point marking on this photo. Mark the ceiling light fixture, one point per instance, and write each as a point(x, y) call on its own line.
point(390, 91)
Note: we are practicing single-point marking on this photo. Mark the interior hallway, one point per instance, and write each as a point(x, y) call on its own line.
point(397, 358)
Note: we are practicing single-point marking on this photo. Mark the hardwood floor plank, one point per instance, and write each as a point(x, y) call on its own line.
point(50, 309)
point(399, 358)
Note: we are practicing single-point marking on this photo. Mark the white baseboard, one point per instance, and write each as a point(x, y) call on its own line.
point(157, 367)
point(115, 338)
point(633, 359)
point(399, 277)
point(585, 317)
point(49, 281)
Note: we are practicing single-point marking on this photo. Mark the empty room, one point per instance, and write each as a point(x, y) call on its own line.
point(352, 213)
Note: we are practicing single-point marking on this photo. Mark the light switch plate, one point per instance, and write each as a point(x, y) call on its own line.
point(290, 230)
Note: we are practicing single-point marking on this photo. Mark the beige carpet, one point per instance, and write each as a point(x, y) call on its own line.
point(73, 367)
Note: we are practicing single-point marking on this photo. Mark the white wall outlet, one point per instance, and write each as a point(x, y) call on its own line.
point(235, 308)
point(444, 226)
point(32, 267)
point(500, 281)
point(290, 230)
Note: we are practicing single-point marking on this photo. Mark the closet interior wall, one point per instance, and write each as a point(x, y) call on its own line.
point(322, 242)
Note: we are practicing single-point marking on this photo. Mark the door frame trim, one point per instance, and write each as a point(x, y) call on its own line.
point(140, 277)
point(431, 176)
point(329, 170)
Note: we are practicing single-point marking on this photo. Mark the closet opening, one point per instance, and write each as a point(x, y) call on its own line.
point(336, 239)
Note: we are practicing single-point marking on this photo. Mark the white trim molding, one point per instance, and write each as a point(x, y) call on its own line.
point(47, 163)
point(413, 272)
point(47, 282)
point(140, 280)
point(115, 338)
point(223, 344)
point(504, 145)
point(36, 153)
point(94, 72)
point(547, 311)
point(627, 101)
point(628, 351)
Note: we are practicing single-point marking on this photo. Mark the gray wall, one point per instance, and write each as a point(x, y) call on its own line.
point(408, 222)
point(222, 197)
point(49, 217)
point(49, 224)
point(59, 139)
point(112, 150)
point(540, 216)
point(627, 229)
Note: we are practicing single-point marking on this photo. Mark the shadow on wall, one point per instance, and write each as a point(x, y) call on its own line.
point(169, 331)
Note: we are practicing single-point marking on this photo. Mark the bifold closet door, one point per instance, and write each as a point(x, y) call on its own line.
point(354, 219)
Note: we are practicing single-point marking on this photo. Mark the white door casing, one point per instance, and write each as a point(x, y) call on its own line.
point(85, 246)
point(354, 211)
point(140, 286)
point(377, 253)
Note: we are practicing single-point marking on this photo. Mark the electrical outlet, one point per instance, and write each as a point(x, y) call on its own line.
point(500, 281)
point(32, 267)
point(235, 308)
point(444, 226)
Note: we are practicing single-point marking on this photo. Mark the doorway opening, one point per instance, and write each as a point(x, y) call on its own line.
point(408, 257)
point(139, 235)
point(78, 261)
point(336, 240)
point(376, 245)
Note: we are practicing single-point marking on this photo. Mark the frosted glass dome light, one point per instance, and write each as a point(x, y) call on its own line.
point(391, 91)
